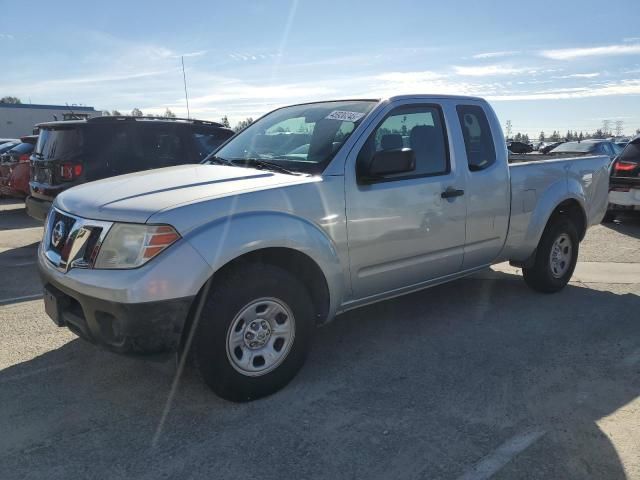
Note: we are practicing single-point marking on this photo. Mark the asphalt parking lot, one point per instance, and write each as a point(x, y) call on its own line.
point(480, 378)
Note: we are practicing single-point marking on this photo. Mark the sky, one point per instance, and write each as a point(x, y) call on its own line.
point(545, 65)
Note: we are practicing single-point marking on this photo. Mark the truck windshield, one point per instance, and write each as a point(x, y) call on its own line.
point(300, 138)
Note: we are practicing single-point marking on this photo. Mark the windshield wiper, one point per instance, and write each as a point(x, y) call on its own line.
point(219, 161)
point(259, 163)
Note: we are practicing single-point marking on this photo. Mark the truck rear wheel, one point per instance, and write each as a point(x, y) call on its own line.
point(556, 258)
point(254, 332)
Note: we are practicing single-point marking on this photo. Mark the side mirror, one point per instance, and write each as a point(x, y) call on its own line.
point(387, 162)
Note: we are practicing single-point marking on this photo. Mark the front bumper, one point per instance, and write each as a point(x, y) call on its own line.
point(144, 328)
point(141, 310)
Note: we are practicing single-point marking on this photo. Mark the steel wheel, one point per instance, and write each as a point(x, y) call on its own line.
point(260, 336)
point(560, 257)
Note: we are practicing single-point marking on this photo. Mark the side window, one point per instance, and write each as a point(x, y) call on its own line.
point(478, 141)
point(418, 127)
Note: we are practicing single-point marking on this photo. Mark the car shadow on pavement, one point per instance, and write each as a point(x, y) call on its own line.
point(628, 224)
point(27, 254)
point(19, 279)
point(16, 218)
point(423, 386)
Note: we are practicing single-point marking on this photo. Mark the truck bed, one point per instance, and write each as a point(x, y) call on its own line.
point(535, 188)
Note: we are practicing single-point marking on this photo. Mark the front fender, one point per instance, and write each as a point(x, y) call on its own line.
point(230, 237)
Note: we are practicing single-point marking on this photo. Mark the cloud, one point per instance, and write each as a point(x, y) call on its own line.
point(413, 77)
point(572, 53)
point(6, 36)
point(580, 75)
point(623, 87)
point(490, 70)
point(191, 54)
point(496, 54)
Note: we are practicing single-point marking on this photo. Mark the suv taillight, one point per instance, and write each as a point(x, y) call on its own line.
point(624, 165)
point(70, 171)
point(23, 158)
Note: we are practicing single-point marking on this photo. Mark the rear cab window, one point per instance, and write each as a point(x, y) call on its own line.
point(478, 138)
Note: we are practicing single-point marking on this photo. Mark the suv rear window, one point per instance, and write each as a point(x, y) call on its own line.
point(59, 143)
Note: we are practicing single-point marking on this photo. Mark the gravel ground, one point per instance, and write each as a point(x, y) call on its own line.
point(473, 379)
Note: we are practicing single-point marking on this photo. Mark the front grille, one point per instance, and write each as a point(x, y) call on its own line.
point(73, 242)
point(67, 226)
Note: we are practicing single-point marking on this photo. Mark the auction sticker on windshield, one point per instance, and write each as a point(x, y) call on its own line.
point(344, 115)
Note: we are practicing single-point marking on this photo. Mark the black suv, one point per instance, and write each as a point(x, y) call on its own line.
point(72, 152)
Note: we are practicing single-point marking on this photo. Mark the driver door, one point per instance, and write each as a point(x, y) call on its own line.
point(402, 230)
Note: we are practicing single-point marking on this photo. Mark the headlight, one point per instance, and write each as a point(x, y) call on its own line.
point(130, 245)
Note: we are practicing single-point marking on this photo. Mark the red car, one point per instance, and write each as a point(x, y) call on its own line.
point(15, 168)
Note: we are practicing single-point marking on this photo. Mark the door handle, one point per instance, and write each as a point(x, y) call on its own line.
point(452, 192)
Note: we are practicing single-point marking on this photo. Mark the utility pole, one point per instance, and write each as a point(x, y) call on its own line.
point(619, 128)
point(508, 129)
point(186, 95)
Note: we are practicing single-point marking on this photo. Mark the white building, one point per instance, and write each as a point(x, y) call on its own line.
point(19, 119)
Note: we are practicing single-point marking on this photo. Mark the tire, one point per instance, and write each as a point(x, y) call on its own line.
point(228, 346)
point(609, 217)
point(546, 275)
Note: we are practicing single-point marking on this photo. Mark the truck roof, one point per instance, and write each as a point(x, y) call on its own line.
point(433, 95)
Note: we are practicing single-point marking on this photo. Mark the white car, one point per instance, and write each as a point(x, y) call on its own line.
point(624, 186)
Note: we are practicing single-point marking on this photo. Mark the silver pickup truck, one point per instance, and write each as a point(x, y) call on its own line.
point(312, 210)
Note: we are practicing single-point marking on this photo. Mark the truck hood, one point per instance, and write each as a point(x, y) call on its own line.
point(136, 197)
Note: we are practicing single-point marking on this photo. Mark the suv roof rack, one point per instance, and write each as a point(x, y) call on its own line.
point(130, 118)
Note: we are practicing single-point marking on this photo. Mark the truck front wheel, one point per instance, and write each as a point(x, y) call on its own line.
point(254, 332)
point(556, 257)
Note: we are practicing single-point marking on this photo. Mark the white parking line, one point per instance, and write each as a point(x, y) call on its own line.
point(497, 459)
point(19, 299)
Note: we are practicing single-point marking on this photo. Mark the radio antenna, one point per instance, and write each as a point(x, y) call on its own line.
point(186, 95)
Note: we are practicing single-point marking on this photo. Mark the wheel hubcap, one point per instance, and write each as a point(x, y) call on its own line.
point(260, 336)
point(560, 258)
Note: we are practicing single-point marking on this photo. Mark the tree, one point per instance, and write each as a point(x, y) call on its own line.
point(241, 125)
point(116, 113)
point(569, 136)
point(106, 112)
point(541, 136)
point(136, 112)
point(169, 114)
point(13, 100)
point(555, 136)
point(637, 131)
point(225, 122)
point(580, 137)
point(525, 138)
point(599, 133)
